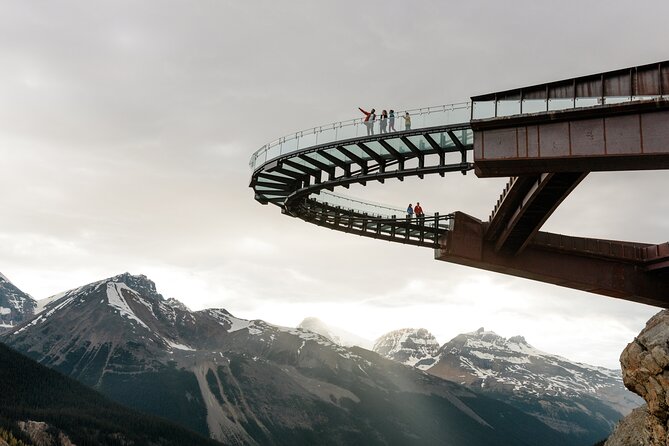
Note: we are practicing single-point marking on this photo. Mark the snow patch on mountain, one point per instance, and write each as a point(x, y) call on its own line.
point(43, 316)
point(179, 346)
point(116, 300)
point(228, 321)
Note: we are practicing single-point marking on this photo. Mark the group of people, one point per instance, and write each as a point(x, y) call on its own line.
point(418, 210)
point(386, 121)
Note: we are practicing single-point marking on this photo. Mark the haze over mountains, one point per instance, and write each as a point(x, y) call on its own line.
point(250, 382)
point(582, 401)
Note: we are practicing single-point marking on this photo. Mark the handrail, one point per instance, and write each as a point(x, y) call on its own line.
point(337, 131)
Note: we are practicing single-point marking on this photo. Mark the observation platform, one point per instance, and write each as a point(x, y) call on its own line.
point(545, 137)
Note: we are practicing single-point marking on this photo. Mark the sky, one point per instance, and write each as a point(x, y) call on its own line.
point(126, 128)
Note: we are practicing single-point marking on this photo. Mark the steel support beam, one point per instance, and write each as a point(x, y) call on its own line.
point(525, 212)
point(633, 136)
point(609, 268)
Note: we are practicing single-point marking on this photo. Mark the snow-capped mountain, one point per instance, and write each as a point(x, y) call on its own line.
point(483, 358)
point(569, 396)
point(247, 382)
point(15, 305)
point(335, 334)
point(413, 347)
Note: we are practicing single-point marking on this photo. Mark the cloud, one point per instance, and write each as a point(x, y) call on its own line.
point(125, 132)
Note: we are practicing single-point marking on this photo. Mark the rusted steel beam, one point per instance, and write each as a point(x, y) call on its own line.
point(642, 80)
point(631, 137)
point(605, 267)
point(529, 211)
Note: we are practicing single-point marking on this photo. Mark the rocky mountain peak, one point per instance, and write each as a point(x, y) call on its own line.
point(15, 305)
point(518, 340)
point(139, 283)
point(409, 346)
point(175, 303)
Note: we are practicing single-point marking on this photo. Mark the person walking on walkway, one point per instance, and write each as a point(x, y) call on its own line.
point(370, 116)
point(407, 121)
point(391, 121)
point(419, 212)
point(383, 122)
point(410, 211)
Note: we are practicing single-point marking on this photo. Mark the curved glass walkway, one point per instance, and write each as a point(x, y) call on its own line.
point(295, 172)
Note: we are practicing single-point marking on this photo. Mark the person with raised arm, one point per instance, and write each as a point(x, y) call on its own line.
point(370, 116)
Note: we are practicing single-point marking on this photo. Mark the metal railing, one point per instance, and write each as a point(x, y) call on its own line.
point(487, 109)
point(342, 130)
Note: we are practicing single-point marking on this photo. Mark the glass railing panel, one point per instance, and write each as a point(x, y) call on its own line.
point(350, 130)
point(273, 152)
point(534, 105)
point(425, 117)
point(349, 203)
point(588, 102)
point(508, 108)
point(483, 109)
point(287, 146)
point(459, 113)
point(616, 99)
point(308, 138)
point(433, 118)
point(560, 104)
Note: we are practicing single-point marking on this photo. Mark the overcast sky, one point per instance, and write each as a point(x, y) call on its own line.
point(126, 129)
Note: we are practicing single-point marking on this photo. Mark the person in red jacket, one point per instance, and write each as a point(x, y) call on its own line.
point(369, 120)
point(419, 212)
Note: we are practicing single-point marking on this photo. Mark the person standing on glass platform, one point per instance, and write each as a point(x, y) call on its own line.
point(391, 121)
point(383, 122)
point(407, 121)
point(370, 116)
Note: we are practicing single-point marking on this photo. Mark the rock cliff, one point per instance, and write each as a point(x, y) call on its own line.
point(645, 364)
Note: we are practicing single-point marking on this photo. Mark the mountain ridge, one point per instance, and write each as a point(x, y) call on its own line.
point(578, 399)
point(249, 382)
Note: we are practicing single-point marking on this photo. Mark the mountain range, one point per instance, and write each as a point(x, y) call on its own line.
point(247, 382)
point(582, 401)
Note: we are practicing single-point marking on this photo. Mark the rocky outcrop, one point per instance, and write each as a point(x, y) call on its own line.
point(42, 434)
point(645, 364)
point(633, 430)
